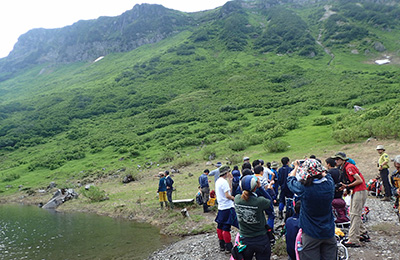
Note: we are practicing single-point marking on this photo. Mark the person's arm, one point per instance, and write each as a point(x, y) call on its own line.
point(356, 182)
point(229, 196)
point(213, 172)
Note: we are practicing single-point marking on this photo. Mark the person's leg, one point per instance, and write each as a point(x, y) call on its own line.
point(226, 233)
point(248, 252)
point(169, 197)
point(263, 252)
point(329, 249)
point(220, 237)
point(357, 204)
point(384, 173)
point(281, 204)
point(205, 192)
point(311, 248)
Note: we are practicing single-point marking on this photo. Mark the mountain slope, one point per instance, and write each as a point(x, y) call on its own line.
point(235, 80)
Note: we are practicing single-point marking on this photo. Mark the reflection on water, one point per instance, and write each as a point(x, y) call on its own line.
point(28, 232)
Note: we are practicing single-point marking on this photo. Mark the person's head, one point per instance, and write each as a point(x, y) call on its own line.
point(224, 171)
point(380, 148)
point(297, 207)
point(310, 170)
point(249, 184)
point(330, 162)
point(268, 165)
point(274, 165)
point(166, 173)
point(246, 165)
point(161, 174)
point(218, 164)
point(236, 167)
point(258, 169)
point(261, 162)
point(246, 172)
point(340, 158)
point(255, 163)
point(246, 159)
point(285, 160)
point(397, 162)
point(206, 171)
point(313, 156)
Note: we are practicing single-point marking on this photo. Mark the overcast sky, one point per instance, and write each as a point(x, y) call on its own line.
point(19, 16)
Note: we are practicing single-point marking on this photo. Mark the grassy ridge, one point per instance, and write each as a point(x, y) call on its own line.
point(199, 93)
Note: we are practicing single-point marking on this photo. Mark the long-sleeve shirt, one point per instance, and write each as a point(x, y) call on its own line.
point(316, 217)
point(203, 181)
point(214, 173)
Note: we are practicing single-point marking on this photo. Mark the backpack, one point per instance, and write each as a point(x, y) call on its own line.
point(199, 198)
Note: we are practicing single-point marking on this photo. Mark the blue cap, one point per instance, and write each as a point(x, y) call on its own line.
point(248, 182)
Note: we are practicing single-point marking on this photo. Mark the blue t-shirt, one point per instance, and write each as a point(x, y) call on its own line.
point(316, 216)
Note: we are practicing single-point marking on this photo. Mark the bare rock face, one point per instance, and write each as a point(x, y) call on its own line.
point(88, 40)
point(378, 46)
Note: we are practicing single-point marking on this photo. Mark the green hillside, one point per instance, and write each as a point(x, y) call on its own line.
point(241, 81)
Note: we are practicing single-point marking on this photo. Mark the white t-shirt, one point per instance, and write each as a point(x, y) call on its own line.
point(222, 186)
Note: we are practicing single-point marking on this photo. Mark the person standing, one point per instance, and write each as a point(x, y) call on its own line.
point(285, 192)
point(226, 216)
point(215, 172)
point(383, 167)
point(395, 180)
point(205, 189)
point(292, 228)
point(250, 211)
point(358, 198)
point(315, 189)
point(162, 191)
point(235, 180)
point(169, 183)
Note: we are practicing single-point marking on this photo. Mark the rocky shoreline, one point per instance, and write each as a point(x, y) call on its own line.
point(382, 223)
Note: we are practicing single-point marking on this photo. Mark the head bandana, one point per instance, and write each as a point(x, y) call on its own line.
point(309, 168)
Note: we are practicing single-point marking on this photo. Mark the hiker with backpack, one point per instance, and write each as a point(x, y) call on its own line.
point(252, 223)
point(355, 184)
point(315, 189)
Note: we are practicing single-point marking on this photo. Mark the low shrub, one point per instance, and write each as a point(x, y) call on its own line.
point(276, 146)
point(322, 121)
point(238, 145)
point(94, 194)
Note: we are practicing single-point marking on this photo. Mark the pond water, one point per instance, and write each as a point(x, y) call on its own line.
point(29, 232)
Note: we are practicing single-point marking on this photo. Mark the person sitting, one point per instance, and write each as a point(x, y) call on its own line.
point(252, 223)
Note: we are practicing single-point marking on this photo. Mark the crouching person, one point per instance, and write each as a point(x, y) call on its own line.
point(252, 223)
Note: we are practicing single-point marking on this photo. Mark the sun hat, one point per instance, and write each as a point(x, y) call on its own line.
point(340, 155)
point(219, 164)
point(224, 170)
point(246, 158)
point(248, 182)
point(397, 159)
point(309, 168)
point(380, 147)
point(274, 164)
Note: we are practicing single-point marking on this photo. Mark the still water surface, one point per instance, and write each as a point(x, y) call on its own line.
point(28, 232)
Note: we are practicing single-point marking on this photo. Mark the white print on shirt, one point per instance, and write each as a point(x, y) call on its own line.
point(247, 214)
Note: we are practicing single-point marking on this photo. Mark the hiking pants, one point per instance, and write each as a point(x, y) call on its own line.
point(313, 248)
point(259, 247)
point(384, 173)
point(205, 194)
point(357, 203)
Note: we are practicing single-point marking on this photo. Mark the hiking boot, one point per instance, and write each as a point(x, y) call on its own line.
point(205, 208)
point(221, 245)
point(350, 244)
point(228, 247)
point(386, 199)
point(365, 237)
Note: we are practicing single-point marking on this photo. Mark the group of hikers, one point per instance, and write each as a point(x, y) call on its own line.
point(245, 197)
